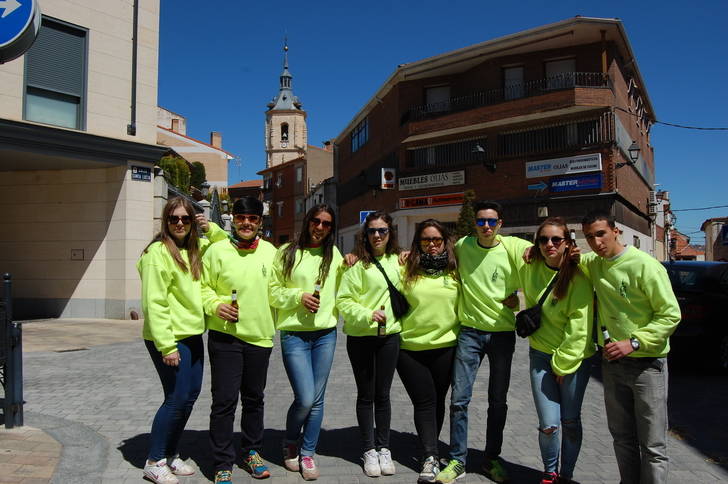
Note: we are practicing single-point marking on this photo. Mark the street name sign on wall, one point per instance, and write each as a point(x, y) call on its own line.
point(433, 180)
point(564, 166)
point(432, 200)
point(580, 182)
point(141, 173)
point(19, 26)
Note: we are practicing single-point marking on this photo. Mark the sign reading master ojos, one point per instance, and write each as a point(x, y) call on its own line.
point(432, 180)
point(563, 166)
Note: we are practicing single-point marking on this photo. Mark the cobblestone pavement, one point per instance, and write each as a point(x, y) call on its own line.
point(98, 402)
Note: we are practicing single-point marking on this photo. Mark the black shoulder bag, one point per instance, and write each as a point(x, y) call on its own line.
point(529, 320)
point(400, 306)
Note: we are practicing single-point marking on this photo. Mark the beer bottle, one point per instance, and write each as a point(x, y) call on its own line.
point(382, 326)
point(605, 334)
point(234, 302)
point(317, 290)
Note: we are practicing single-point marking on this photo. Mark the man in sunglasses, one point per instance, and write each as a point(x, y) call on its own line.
point(639, 309)
point(489, 280)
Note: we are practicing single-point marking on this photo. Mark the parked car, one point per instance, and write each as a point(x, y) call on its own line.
point(701, 289)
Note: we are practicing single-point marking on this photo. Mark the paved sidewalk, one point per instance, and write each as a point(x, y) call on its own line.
point(98, 402)
point(27, 455)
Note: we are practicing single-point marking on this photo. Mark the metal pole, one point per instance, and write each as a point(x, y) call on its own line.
point(14, 364)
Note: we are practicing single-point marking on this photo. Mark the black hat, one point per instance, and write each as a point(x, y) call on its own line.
point(249, 205)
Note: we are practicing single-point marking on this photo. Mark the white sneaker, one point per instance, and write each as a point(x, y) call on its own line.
point(430, 468)
point(179, 467)
point(160, 473)
point(385, 462)
point(371, 463)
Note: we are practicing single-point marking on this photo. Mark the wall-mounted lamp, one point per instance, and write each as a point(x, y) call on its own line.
point(488, 164)
point(634, 154)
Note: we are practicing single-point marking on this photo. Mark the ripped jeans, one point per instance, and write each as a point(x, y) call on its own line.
point(559, 411)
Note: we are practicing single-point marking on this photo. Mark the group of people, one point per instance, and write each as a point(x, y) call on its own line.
point(432, 313)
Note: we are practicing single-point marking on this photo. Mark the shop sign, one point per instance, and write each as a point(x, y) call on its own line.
point(581, 182)
point(563, 166)
point(389, 178)
point(432, 200)
point(432, 180)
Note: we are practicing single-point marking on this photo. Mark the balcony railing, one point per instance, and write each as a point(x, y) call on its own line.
point(566, 80)
point(544, 139)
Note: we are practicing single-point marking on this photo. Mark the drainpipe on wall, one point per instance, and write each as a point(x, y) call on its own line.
point(131, 127)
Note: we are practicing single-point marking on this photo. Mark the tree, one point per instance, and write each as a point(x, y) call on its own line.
point(466, 219)
point(198, 176)
point(176, 172)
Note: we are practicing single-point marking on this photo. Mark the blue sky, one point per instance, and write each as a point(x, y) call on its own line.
point(219, 67)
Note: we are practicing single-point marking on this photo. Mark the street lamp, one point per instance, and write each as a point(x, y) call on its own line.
point(489, 164)
point(205, 189)
point(634, 154)
point(634, 151)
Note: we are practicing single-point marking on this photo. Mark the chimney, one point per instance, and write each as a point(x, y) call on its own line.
point(216, 139)
point(175, 125)
point(328, 146)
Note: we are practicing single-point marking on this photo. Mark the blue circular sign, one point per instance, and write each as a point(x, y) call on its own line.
point(19, 26)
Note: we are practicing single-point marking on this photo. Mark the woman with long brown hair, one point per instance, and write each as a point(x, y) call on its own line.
point(170, 269)
point(429, 334)
point(372, 330)
point(560, 349)
point(303, 287)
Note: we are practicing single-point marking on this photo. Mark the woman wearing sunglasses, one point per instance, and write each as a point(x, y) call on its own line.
point(303, 288)
point(560, 348)
point(239, 343)
point(171, 270)
point(429, 334)
point(372, 335)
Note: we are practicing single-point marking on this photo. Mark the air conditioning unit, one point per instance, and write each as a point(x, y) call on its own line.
point(652, 205)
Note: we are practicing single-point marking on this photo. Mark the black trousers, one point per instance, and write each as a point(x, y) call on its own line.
point(236, 368)
point(426, 376)
point(373, 361)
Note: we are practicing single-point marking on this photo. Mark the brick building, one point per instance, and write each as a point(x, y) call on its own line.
point(540, 120)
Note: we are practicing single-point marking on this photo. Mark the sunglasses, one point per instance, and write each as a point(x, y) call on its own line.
point(175, 219)
point(317, 221)
point(240, 218)
point(381, 230)
point(492, 222)
point(436, 241)
point(543, 240)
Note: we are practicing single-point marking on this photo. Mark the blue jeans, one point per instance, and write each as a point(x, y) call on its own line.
point(635, 396)
point(558, 405)
point(473, 345)
point(181, 386)
point(307, 357)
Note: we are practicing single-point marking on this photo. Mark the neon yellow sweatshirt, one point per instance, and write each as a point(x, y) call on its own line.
point(248, 272)
point(285, 294)
point(364, 290)
point(488, 276)
point(432, 321)
point(634, 299)
point(566, 324)
point(171, 299)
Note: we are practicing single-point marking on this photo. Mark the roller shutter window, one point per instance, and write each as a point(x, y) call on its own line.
point(55, 76)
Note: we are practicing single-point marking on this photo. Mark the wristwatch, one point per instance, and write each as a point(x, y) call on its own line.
point(635, 343)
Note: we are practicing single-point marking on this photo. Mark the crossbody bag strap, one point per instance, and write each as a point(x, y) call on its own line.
point(548, 289)
point(379, 266)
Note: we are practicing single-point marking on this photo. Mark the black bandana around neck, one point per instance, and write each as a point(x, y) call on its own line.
point(433, 265)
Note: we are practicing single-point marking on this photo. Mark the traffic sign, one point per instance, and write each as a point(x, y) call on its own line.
point(19, 26)
point(538, 186)
point(363, 215)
